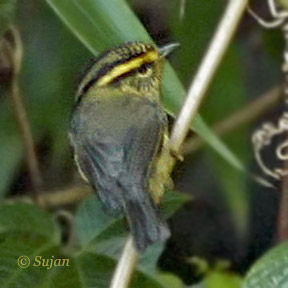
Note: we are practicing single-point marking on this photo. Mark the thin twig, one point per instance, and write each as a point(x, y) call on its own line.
point(21, 114)
point(125, 266)
point(59, 198)
point(63, 197)
point(245, 115)
point(202, 80)
point(222, 38)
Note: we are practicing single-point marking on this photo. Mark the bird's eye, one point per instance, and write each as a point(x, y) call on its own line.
point(145, 69)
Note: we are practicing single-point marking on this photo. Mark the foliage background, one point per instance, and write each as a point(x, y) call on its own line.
point(230, 221)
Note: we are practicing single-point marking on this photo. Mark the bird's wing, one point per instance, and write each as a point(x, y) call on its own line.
point(142, 141)
point(100, 164)
point(114, 165)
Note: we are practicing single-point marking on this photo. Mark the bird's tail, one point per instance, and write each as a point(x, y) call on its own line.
point(144, 220)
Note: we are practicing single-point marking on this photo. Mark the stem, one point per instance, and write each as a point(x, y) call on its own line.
point(59, 198)
point(214, 55)
point(224, 33)
point(21, 114)
point(63, 197)
point(125, 266)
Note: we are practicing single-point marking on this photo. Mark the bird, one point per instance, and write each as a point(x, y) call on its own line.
point(119, 135)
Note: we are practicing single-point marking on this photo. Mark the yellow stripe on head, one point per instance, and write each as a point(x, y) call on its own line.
point(130, 65)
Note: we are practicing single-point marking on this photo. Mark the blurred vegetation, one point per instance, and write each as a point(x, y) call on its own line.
point(221, 220)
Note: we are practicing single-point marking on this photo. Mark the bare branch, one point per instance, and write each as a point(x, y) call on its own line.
point(202, 80)
point(59, 198)
point(66, 196)
point(218, 47)
point(125, 266)
point(21, 113)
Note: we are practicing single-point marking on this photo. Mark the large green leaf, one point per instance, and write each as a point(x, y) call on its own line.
point(217, 279)
point(222, 280)
point(16, 245)
point(101, 234)
point(31, 232)
point(25, 231)
point(82, 271)
point(271, 270)
point(101, 24)
point(226, 94)
point(28, 218)
point(96, 272)
point(104, 234)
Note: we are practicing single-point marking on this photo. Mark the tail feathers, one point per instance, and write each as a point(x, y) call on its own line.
point(145, 224)
point(110, 202)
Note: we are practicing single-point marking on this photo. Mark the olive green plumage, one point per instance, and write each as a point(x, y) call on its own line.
point(117, 132)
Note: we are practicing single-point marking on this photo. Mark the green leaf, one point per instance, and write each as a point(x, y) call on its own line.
point(171, 280)
point(105, 234)
point(83, 270)
point(96, 271)
point(7, 9)
point(226, 94)
point(102, 234)
point(27, 218)
point(103, 18)
point(271, 270)
point(28, 231)
point(97, 231)
point(15, 245)
point(90, 220)
point(101, 24)
point(222, 280)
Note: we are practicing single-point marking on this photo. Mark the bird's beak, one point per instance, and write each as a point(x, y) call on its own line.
point(167, 49)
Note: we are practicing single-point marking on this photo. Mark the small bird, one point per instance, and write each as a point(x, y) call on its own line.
point(119, 134)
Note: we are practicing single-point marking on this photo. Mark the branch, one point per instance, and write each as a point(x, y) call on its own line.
point(63, 197)
point(59, 198)
point(125, 266)
point(215, 53)
point(21, 113)
point(226, 29)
